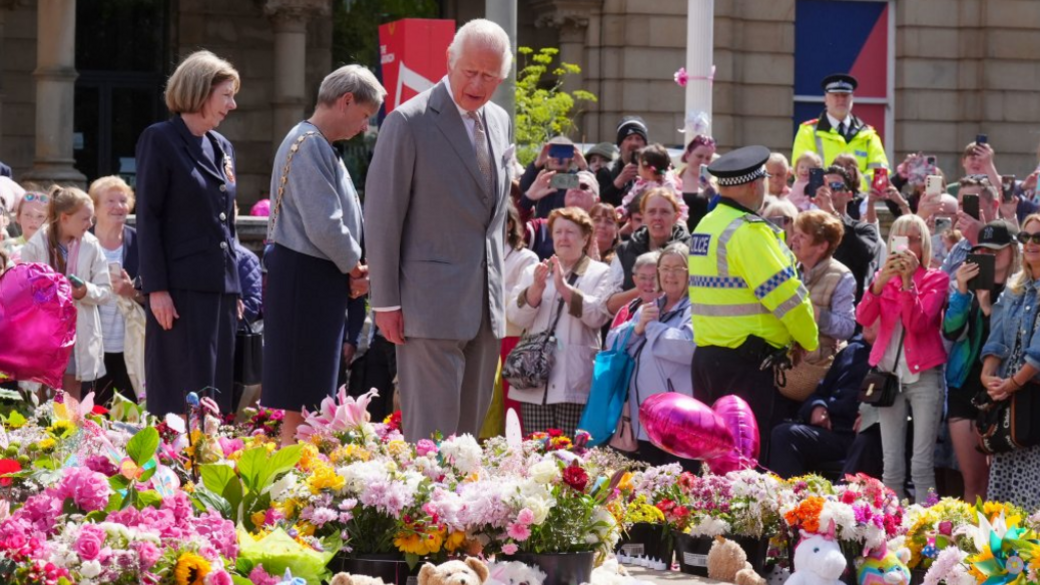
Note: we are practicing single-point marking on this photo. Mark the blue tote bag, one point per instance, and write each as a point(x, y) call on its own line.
point(610, 378)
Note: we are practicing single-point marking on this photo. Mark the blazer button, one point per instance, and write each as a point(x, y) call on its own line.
point(223, 188)
point(223, 216)
point(223, 245)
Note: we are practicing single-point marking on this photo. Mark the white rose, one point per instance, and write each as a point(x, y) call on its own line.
point(540, 508)
point(545, 472)
point(90, 569)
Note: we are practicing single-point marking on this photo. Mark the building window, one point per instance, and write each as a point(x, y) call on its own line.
point(846, 36)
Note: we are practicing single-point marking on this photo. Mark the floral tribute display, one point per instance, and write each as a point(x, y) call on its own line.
point(93, 494)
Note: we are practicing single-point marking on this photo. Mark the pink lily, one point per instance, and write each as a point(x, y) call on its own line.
point(336, 415)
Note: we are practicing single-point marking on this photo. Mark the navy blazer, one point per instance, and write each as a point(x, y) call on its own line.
point(185, 211)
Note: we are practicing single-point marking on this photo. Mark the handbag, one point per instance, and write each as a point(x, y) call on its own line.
point(1010, 424)
point(611, 374)
point(880, 388)
point(624, 439)
point(249, 355)
point(527, 367)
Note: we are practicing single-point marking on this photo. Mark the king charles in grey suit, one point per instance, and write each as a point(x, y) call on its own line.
point(435, 209)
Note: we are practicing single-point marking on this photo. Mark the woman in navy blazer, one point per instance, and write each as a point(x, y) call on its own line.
point(186, 232)
point(113, 200)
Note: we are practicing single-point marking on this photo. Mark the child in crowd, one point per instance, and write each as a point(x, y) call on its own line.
point(655, 170)
point(798, 196)
point(779, 174)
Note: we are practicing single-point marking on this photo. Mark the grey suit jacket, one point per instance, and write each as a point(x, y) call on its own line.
point(433, 231)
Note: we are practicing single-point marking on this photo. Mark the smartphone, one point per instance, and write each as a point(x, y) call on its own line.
point(933, 185)
point(987, 270)
point(900, 244)
point(561, 151)
point(815, 182)
point(76, 281)
point(942, 224)
point(115, 269)
point(970, 204)
point(1007, 188)
point(704, 179)
point(564, 181)
point(880, 182)
point(981, 139)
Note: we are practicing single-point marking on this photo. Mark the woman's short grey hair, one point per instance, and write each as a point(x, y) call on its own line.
point(484, 34)
point(352, 79)
point(645, 259)
point(675, 249)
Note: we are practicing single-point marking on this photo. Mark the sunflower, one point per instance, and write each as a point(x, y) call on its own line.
point(191, 569)
point(61, 429)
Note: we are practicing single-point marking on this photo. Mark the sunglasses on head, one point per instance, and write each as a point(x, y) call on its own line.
point(36, 197)
point(1026, 237)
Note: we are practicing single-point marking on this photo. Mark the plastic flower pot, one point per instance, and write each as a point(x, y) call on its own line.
point(692, 553)
point(391, 568)
point(653, 541)
point(560, 568)
point(756, 550)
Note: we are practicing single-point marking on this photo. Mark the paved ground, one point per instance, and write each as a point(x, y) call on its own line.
point(666, 577)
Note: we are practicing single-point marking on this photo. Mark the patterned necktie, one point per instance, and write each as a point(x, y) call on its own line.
point(483, 155)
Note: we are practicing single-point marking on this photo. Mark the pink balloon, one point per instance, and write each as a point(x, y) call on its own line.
point(37, 323)
point(684, 426)
point(261, 208)
point(740, 420)
point(731, 461)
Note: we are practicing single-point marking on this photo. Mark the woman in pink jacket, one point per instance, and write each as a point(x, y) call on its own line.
point(908, 299)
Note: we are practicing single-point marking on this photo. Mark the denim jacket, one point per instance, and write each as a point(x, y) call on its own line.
point(1011, 312)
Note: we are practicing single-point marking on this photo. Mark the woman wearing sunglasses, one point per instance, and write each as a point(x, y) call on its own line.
point(30, 214)
point(1011, 363)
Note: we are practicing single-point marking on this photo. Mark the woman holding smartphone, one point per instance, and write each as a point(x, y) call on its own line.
point(65, 244)
point(907, 299)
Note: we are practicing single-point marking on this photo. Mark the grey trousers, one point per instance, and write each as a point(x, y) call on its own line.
point(446, 385)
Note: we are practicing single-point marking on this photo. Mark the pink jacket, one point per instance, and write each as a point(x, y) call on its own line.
point(921, 312)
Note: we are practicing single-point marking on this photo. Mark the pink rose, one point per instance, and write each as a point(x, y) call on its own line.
point(424, 447)
point(88, 545)
point(509, 549)
point(218, 578)
point(148, 553)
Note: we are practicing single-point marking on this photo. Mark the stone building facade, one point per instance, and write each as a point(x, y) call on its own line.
point(960, 67)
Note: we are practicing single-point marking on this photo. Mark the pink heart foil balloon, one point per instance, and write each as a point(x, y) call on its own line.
point(685, 426)
point(741, 422)
point(37, 323)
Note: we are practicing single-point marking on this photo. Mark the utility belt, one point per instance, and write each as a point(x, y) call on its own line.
point(758, 353)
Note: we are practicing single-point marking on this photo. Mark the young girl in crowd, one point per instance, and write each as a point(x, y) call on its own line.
point(30, 213)
point(655, 170)
point(65, 244)
point(798, 196)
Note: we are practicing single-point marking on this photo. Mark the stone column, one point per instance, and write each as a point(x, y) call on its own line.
point(55, 88)
point(503, 13)
point(290, 18)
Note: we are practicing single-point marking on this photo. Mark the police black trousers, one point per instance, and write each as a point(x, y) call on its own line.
point(718, 371)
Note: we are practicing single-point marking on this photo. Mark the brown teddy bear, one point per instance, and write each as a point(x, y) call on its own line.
point(472, 571)
point(728, 562)
point(348, 579)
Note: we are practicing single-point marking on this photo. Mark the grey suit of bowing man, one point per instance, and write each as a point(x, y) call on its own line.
point(434, 244)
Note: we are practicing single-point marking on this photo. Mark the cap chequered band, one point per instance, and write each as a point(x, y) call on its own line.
point(742, 179)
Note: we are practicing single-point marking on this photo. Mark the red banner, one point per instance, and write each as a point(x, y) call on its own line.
point(413, 53)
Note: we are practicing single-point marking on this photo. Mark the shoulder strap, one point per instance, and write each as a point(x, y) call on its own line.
point(559, 306)
point(277, 207)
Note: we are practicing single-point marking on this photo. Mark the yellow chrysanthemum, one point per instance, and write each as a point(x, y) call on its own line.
point(309, 456)
point(286, 507)
point(398, 448)
point(324, 477)
point(455, 541)
point(421, 544)
point(191, 569)
point(305, 529)
point(350, 454)
point(46, 445)
point(189, 487)
point(61, 429)
point(258, 518)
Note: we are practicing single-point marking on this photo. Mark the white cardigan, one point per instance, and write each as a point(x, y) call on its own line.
point(516, 261)
point(92, 268)
point(577, 333)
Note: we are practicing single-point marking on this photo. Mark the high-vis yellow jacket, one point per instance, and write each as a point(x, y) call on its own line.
point(743, 282)
point(818, 136)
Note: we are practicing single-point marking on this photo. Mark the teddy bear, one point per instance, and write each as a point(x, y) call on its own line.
point(728, 562)
point(472, 571)
point(348, 579)
point(818, 560)
point(514, 573)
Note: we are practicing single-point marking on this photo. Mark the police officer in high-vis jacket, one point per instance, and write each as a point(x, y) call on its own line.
point(749, 308)
point(837, 131)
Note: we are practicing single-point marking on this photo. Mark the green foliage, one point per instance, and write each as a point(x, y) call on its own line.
point(543, 108)
point(238, 495)
point(143, 445)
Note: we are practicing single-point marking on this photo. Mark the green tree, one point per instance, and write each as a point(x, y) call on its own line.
point(543, 108)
